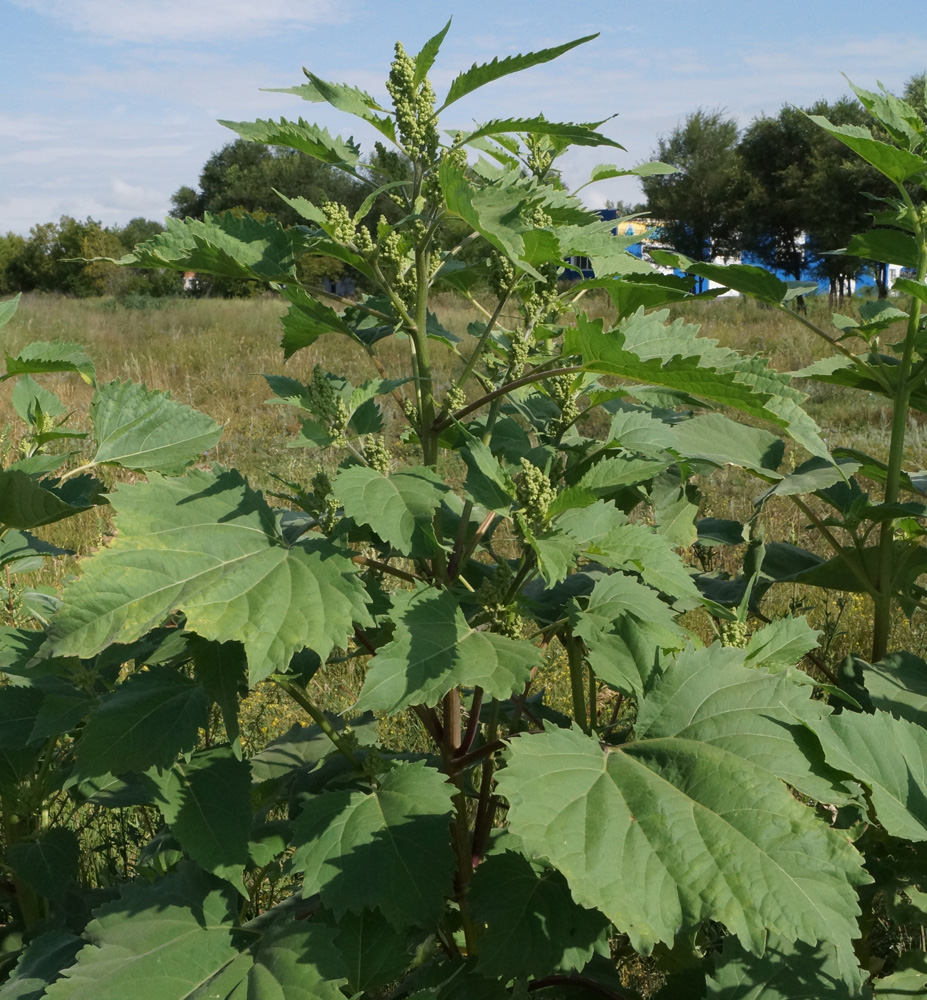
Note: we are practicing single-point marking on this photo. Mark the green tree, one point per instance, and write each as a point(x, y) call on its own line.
point(693, 207)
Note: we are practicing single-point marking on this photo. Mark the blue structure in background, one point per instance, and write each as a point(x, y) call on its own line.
point(583, 265)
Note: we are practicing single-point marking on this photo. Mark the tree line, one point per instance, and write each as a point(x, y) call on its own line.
point(780, 192)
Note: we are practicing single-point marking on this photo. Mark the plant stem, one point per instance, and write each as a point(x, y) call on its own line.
point(884, 598)
point(473, 723)
point(318, 716)
point(574, 651)
point(536, 376)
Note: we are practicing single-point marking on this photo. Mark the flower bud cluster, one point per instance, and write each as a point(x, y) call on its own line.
point(560, 388)
point(455, 398)
point(377, 454)
point(735, 634)
point(327, 404)
point(325, 505)
point(498, 610)
point(393, 257)
point(414, 107)
point(518, 355)
point(534, 493)
point(540, 154)
point(501, 274)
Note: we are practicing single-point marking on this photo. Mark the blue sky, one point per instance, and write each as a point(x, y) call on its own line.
point(111, 105)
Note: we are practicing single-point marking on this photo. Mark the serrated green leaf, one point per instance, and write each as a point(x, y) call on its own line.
point(222, 671)
point(30, 400)
point(24, 503)
point(748, 279)
point(635, 547)
point(8, 309)
point(146, 430)
point(426, 57)
point(488, 482)
point(888, 245)
point(907, 981)
point(209, 545)
point(711, 696)
point(145, 722)
point(494, 212)
point(48, 863)
point(624, 625)
point(226, 245)
point(568, 132)
point(664, 833)
point(22, 551)
point(295, 960)
point(532, 924)
point(313, 140)
point(386, 849)
point(781, 643)
point(712, 437)
point(896, 164)
point(306, 320)
point(787, 971)
point(374, 953)
point(172, 936)
point(646, 349)
point(434, 650)
point(887, 755)
point(207, 802)
point(399, 508)
point(897, 684)
point(43, 357)
point(479, 75)
point(41, 964)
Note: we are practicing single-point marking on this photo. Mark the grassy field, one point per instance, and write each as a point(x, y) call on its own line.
point(211, 354)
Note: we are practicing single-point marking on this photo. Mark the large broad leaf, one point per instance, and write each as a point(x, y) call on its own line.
point(897, 164)
point(787, 971)
point(209, 545)
point(712, 437)
point(909, 979)
point(145, 722)
point(295, 960)
point(224, 245)
point(386, 849)
point(43, 357)
point(889, 756)
point(434, 650)
point(664, 833)
point(24, 503)
point(399, 507)
point(374, 953)
point(624, 626)
point(306, 320)
point(48, 863)
point(497, 213)
point(311, 139)
point(710, 696)
point(222, 671)
point(644, 348)
point(41, 964)
point(888, 245)
point(8, 309)
point(207, 801)
point(898, 685)
point(532, 924)
point(138, 428)
point(167, 938)
point(781, 643)
point(479, 75)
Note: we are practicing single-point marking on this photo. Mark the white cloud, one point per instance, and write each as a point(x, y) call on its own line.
point(155, 20)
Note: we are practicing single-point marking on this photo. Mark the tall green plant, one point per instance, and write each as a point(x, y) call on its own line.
point(534, 529)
